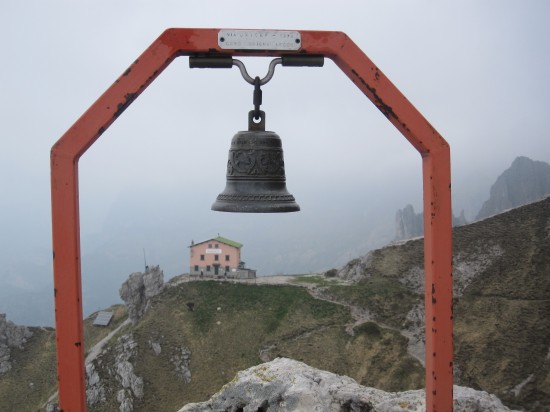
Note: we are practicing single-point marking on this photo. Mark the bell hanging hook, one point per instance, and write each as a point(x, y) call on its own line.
point(257, 82)
point(227, 61)
point(249, 79)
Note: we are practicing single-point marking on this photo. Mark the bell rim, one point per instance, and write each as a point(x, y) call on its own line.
point(260, 207)
point(255, 203)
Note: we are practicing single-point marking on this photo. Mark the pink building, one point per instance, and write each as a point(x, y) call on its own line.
point(218, 257)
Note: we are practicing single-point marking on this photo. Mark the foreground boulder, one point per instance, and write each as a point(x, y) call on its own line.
point(285, 385)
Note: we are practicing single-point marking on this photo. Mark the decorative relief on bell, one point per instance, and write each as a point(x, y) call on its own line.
point(256, 163)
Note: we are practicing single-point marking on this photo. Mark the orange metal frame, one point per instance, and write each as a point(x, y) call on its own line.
point(369, 79)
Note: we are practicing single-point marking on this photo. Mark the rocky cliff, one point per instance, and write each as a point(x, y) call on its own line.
point(409, 224)
point(139, 288)
point(11, 336)
point(525, 181)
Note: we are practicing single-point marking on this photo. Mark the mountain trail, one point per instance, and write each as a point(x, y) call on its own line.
point(360, 315)
point(98, 347)
point(92, 354)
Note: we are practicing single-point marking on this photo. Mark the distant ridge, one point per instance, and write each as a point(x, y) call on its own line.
point(525, 181)
point(409, 224)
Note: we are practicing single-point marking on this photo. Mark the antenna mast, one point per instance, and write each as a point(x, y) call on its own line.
point(145, 261)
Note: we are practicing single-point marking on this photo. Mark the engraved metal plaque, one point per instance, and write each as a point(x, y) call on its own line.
point(259, 40)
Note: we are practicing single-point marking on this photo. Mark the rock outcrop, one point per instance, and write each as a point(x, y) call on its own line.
point(132, 385)
point(181, 360)
point(115, 364)
point(285, 385)
point(95, 390)
point(353, 271)
point(524, 182)
point(409, 224)
point(139, 288)
point(11, 336)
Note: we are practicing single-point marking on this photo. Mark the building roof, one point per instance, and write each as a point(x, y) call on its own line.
point(221, 240)
point(228, 241)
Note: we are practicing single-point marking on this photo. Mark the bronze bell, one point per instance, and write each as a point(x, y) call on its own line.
point(256, 181)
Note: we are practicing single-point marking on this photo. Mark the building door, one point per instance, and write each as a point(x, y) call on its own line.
point(216, 269)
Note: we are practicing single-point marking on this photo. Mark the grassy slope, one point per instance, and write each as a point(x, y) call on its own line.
point(93, 334)
point(502, 322)
point(222, 342)
point(32, 378)
point(385, 297)
point(502, 325)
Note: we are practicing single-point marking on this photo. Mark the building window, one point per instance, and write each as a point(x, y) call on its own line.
point(210, 246)
point(196, 268)
point(202, 257)
point(216, 257)
point(227, 258)
point(227, 268)
point(208, 268)
point(216, 246)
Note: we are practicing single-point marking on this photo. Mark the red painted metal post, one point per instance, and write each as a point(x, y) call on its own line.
point(65, 218)
point(438, 280)
point(436, 168)
point(368, 78)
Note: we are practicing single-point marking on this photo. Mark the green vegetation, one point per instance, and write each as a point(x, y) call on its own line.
point(385, 297)
point(32, 379)
point(93, 334)
point(381, 359)
point(269, 304)
point(225, 330)
point(226, 326)
point(315, 280)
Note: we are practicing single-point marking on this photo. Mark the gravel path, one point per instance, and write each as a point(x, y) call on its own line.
point(98, 347)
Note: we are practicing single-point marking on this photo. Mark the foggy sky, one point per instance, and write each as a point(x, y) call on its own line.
point(477, 70)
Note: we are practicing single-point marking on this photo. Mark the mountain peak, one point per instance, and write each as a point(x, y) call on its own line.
point(523, 182)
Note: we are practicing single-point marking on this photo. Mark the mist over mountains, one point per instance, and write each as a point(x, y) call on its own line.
point(152, 226)
point(525, 181)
